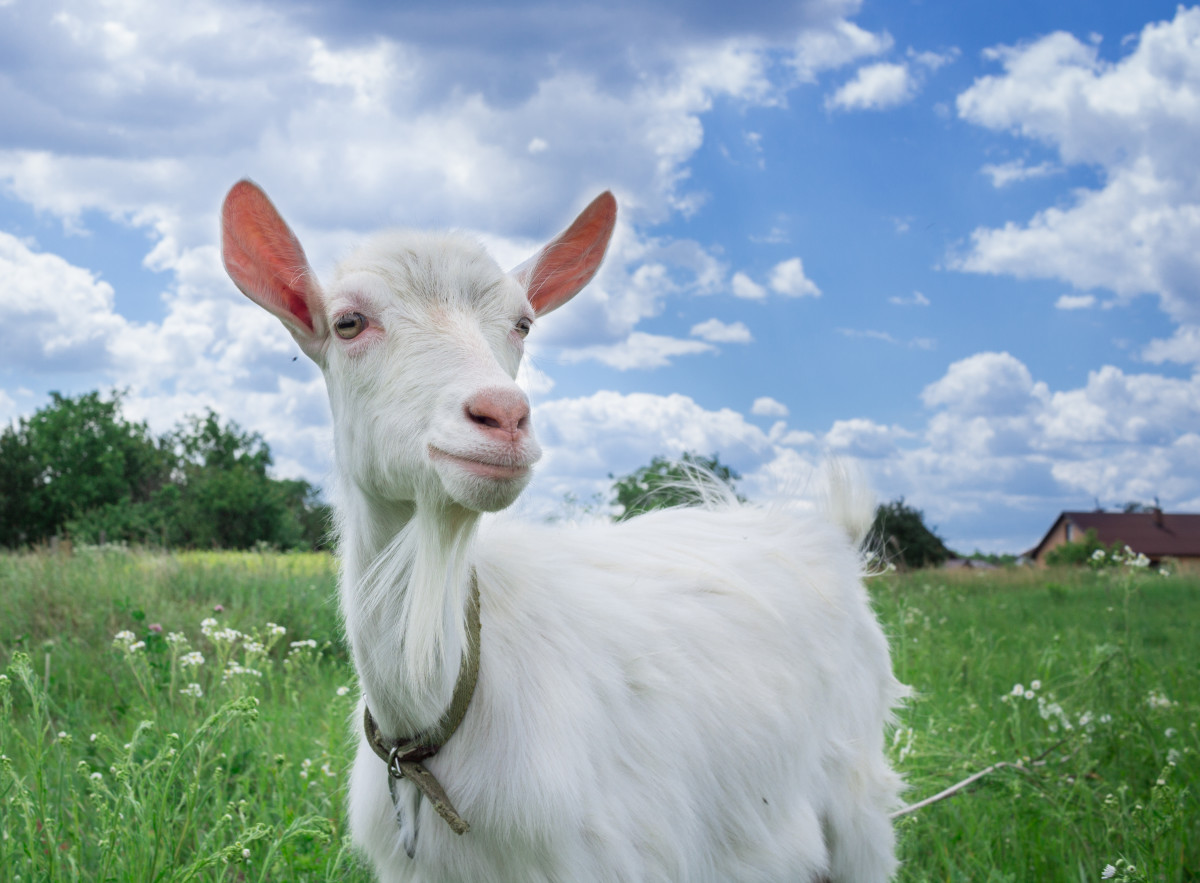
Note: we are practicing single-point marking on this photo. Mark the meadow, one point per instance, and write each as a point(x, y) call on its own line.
point(174, 717)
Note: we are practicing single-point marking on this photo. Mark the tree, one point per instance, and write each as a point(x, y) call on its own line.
point(900, 530)
point(666, 483)
point(76, 455)
point(226, 499)
point(77, 466)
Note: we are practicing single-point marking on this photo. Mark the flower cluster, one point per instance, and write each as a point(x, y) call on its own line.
point(128, 642)
point(1157, 700)
point(209, 629)
point(1126, 556)
point(1019, 691)
point(234, 669)
point(1051, 711)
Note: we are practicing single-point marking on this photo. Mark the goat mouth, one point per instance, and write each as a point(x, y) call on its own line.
point(483, 468)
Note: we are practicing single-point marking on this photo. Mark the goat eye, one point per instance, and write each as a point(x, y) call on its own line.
point(523, 325)
point(350, 325)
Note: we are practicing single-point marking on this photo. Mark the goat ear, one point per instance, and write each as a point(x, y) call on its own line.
point(265, 260)
point(560, 270)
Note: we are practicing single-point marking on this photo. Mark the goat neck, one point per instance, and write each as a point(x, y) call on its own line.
point(404, 592)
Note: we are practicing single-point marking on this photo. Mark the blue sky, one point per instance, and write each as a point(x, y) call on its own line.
point(958, 242)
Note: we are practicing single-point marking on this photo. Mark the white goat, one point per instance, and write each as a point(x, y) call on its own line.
point(692, 695)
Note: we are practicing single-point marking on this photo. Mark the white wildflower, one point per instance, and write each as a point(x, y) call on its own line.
point(1018, 690)
point(1035, 685)
point(1108, 873)
point(193, 690)
point(190, 660)
point(1158, 700)
point(342, 691)
point(275, 630)
point(224, 636)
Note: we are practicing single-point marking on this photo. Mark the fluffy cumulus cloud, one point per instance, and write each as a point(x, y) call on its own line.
point(1075, 302)
point(875, 87)
point(53, 314)
point(996, 456)
point(1183, 346)
point(997, 437)
point(716, 331)
point(746, 288)
point(765, 406)
point(887, 84)
point(986, 383)
point(1135, 122)
point(788, 279)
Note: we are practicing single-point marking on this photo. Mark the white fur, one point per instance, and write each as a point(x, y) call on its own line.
point(692, 695)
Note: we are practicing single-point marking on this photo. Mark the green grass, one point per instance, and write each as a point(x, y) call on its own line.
point(112, 771)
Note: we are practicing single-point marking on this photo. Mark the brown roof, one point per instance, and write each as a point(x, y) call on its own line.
point(1154, 534)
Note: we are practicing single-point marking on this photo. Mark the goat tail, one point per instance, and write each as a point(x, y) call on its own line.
point(848, 500)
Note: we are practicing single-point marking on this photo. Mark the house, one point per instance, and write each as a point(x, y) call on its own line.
point(1153, 533)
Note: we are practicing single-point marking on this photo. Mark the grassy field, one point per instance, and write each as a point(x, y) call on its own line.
point(183, 717)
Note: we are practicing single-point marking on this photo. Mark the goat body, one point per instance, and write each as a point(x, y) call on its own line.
point(692, 695)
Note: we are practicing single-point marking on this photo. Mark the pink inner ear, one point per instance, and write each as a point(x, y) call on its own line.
point(263, 256)
point(568, 263)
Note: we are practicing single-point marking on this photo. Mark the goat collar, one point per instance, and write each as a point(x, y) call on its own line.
point(403, 756)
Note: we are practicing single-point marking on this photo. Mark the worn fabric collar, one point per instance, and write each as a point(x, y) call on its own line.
point(403, 756)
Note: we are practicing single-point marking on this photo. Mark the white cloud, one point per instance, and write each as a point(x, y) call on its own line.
point(716, 331)
point(875, 87)
point(828, 48)
point(867, 334)
point(986, 383)
point(919, 343)
point(638, 351)
point(1133, 120)
point(745, 287)
point(917, 300)
point(998, 446)
point(788, 278)
point(1183, 346)
point(53, 314)
point(1003, 174)
point(765, 406)
point(608, 432)
point(1075, 302)
point(934, 60)
point(859, 437)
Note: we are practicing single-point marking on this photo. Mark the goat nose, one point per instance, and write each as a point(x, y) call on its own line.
point(500, 413)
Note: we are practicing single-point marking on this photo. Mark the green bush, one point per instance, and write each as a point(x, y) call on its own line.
point(77, 466)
